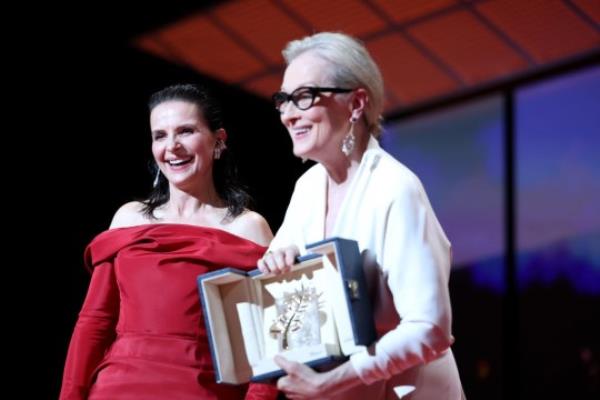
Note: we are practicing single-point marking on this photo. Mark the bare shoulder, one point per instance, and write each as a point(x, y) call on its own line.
point(129, 214)
point(253, 226)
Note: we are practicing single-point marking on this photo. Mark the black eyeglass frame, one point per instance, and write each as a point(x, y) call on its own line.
point(280, 98)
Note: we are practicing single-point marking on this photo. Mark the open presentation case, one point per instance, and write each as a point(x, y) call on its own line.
point(317, 313)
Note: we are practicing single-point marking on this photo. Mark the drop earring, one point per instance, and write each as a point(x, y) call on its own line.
point(349, 139)
point(219, 147)
point(156, 178)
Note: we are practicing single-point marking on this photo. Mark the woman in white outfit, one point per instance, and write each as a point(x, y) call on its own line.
point(331, 102)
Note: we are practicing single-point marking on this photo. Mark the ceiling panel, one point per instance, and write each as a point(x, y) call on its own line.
point(350, 16)
point(591, 8)
point(255, 23)
point(206, 47)
point(154, 45)
point(546, 29)
point(265, 85)
point(470, 49)
point(426, 49)
point(401, 11)
point(408, 74)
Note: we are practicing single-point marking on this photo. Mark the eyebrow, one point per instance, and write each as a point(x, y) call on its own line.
point(177, 128)
point(186, 126)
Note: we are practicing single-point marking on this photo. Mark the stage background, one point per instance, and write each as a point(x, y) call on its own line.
point(526, 328)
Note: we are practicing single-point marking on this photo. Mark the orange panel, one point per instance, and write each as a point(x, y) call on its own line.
point(468, 47)
point(262, 24)
point(547, 29)
point(405, 10)
point(202, 45)
point(390, 103)
point(408, 74)
point(265, 86)
point(590, 7)
point(348, 16)
point(152, 44)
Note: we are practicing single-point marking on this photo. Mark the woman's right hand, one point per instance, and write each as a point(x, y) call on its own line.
point(278, 261)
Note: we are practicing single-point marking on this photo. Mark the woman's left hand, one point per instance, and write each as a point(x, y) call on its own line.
point(301, 382)
point(278, 261)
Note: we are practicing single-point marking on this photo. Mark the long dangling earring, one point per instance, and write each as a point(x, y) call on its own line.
point(349, 139)
point(219, 147)
point(156, 178)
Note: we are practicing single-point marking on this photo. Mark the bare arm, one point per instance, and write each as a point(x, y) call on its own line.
point(252, 226)
point(130, 214)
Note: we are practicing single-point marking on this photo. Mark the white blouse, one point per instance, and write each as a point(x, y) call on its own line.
point(407, 263)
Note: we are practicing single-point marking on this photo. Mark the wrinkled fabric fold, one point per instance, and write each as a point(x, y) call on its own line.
point(140, 332)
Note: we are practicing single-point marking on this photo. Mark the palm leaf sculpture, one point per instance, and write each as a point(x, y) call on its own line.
point(292, 318)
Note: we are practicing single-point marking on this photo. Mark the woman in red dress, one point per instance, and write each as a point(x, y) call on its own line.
point(140, 332)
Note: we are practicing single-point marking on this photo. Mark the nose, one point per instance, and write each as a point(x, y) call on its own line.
point(172, 142)
point(288, 113)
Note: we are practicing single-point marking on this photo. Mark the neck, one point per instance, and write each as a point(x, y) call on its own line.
point(186, 204)
point(340, 171)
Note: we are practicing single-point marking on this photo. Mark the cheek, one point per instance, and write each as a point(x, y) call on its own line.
point(203, 149)
point(156, 151)
point(323, 122)
point(315, 115)
point(202, 145)
point(338, 122)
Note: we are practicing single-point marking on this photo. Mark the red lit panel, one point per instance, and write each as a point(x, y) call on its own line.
point(390, 102)
point(262, 24)
point(547, 29)
point(348, 16)
point(265, 86)
point(205, 47)
point(446, 46)
point(590, 7)
point(405, 10)
point(468, 47)
point(152, 44)
point(408, 74)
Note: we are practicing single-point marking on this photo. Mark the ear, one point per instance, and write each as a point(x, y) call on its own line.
point(221, 135)
point(360, 99)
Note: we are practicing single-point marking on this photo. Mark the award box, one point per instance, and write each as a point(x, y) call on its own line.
point(317, 313)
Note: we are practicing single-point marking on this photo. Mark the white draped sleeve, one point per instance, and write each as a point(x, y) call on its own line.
point(415, 253)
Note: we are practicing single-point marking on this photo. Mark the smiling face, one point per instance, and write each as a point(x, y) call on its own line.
point(317, 132)
point(182, 143)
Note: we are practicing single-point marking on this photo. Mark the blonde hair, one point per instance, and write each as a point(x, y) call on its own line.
point(352, 67)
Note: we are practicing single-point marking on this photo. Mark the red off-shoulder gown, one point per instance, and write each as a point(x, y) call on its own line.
point(140, 332)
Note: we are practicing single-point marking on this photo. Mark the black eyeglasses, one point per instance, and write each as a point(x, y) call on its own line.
point(303, 97)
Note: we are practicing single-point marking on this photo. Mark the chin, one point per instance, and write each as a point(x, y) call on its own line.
point(301, 151)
